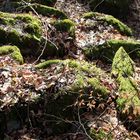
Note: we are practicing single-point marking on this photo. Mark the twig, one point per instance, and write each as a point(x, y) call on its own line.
point(79, 120)
point(46, 30)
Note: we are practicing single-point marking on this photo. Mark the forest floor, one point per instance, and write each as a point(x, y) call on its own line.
point(36, 82)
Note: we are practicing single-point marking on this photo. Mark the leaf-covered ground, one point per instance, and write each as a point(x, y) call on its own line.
point(27, 90)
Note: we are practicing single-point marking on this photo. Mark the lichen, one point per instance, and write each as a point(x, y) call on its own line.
point(13, 51)
point(121, 27)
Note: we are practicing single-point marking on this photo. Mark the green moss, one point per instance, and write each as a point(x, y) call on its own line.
point(22, 30)
point(98, 87)
point(48, 11)
point(123, 68)
point(128, 101)
point(79, 83)
point(122, 63)
point(89, 15)
point(126, 85)
point(13, 51)
point(32, 25)
point(40, 9)
point(121, 27)
point(100, 135)
point(118, 24)
point(81, 68)
point(79, 65)
point(107, 50)
point(22, 21)
point(46, 64)
point(65, 25)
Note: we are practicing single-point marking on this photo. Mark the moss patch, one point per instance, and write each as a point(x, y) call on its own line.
point(82, 69)
point(128, 101)
point(13, 51)
point(22, 30)
point(74, 84)
point(99, 88)
point(122, 64)
point(40, 9)
point(46, 64)
point(100, 135)
point(121, 27)
point(107, 50)
point(65, 25)
point(80, 65)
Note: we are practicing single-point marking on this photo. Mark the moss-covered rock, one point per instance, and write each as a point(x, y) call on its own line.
point(13, 51)
point(121, 27)
point(107, 50)
point(48, 11)
point(128, 101)
point(81, 86)
point(40, 9)
point(22, 30)
point(65, 25)
point(122, 64)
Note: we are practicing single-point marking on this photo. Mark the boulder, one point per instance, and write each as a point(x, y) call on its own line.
point(22, 30)
point(107, 50)
point(128, 101)
point(121, 27)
